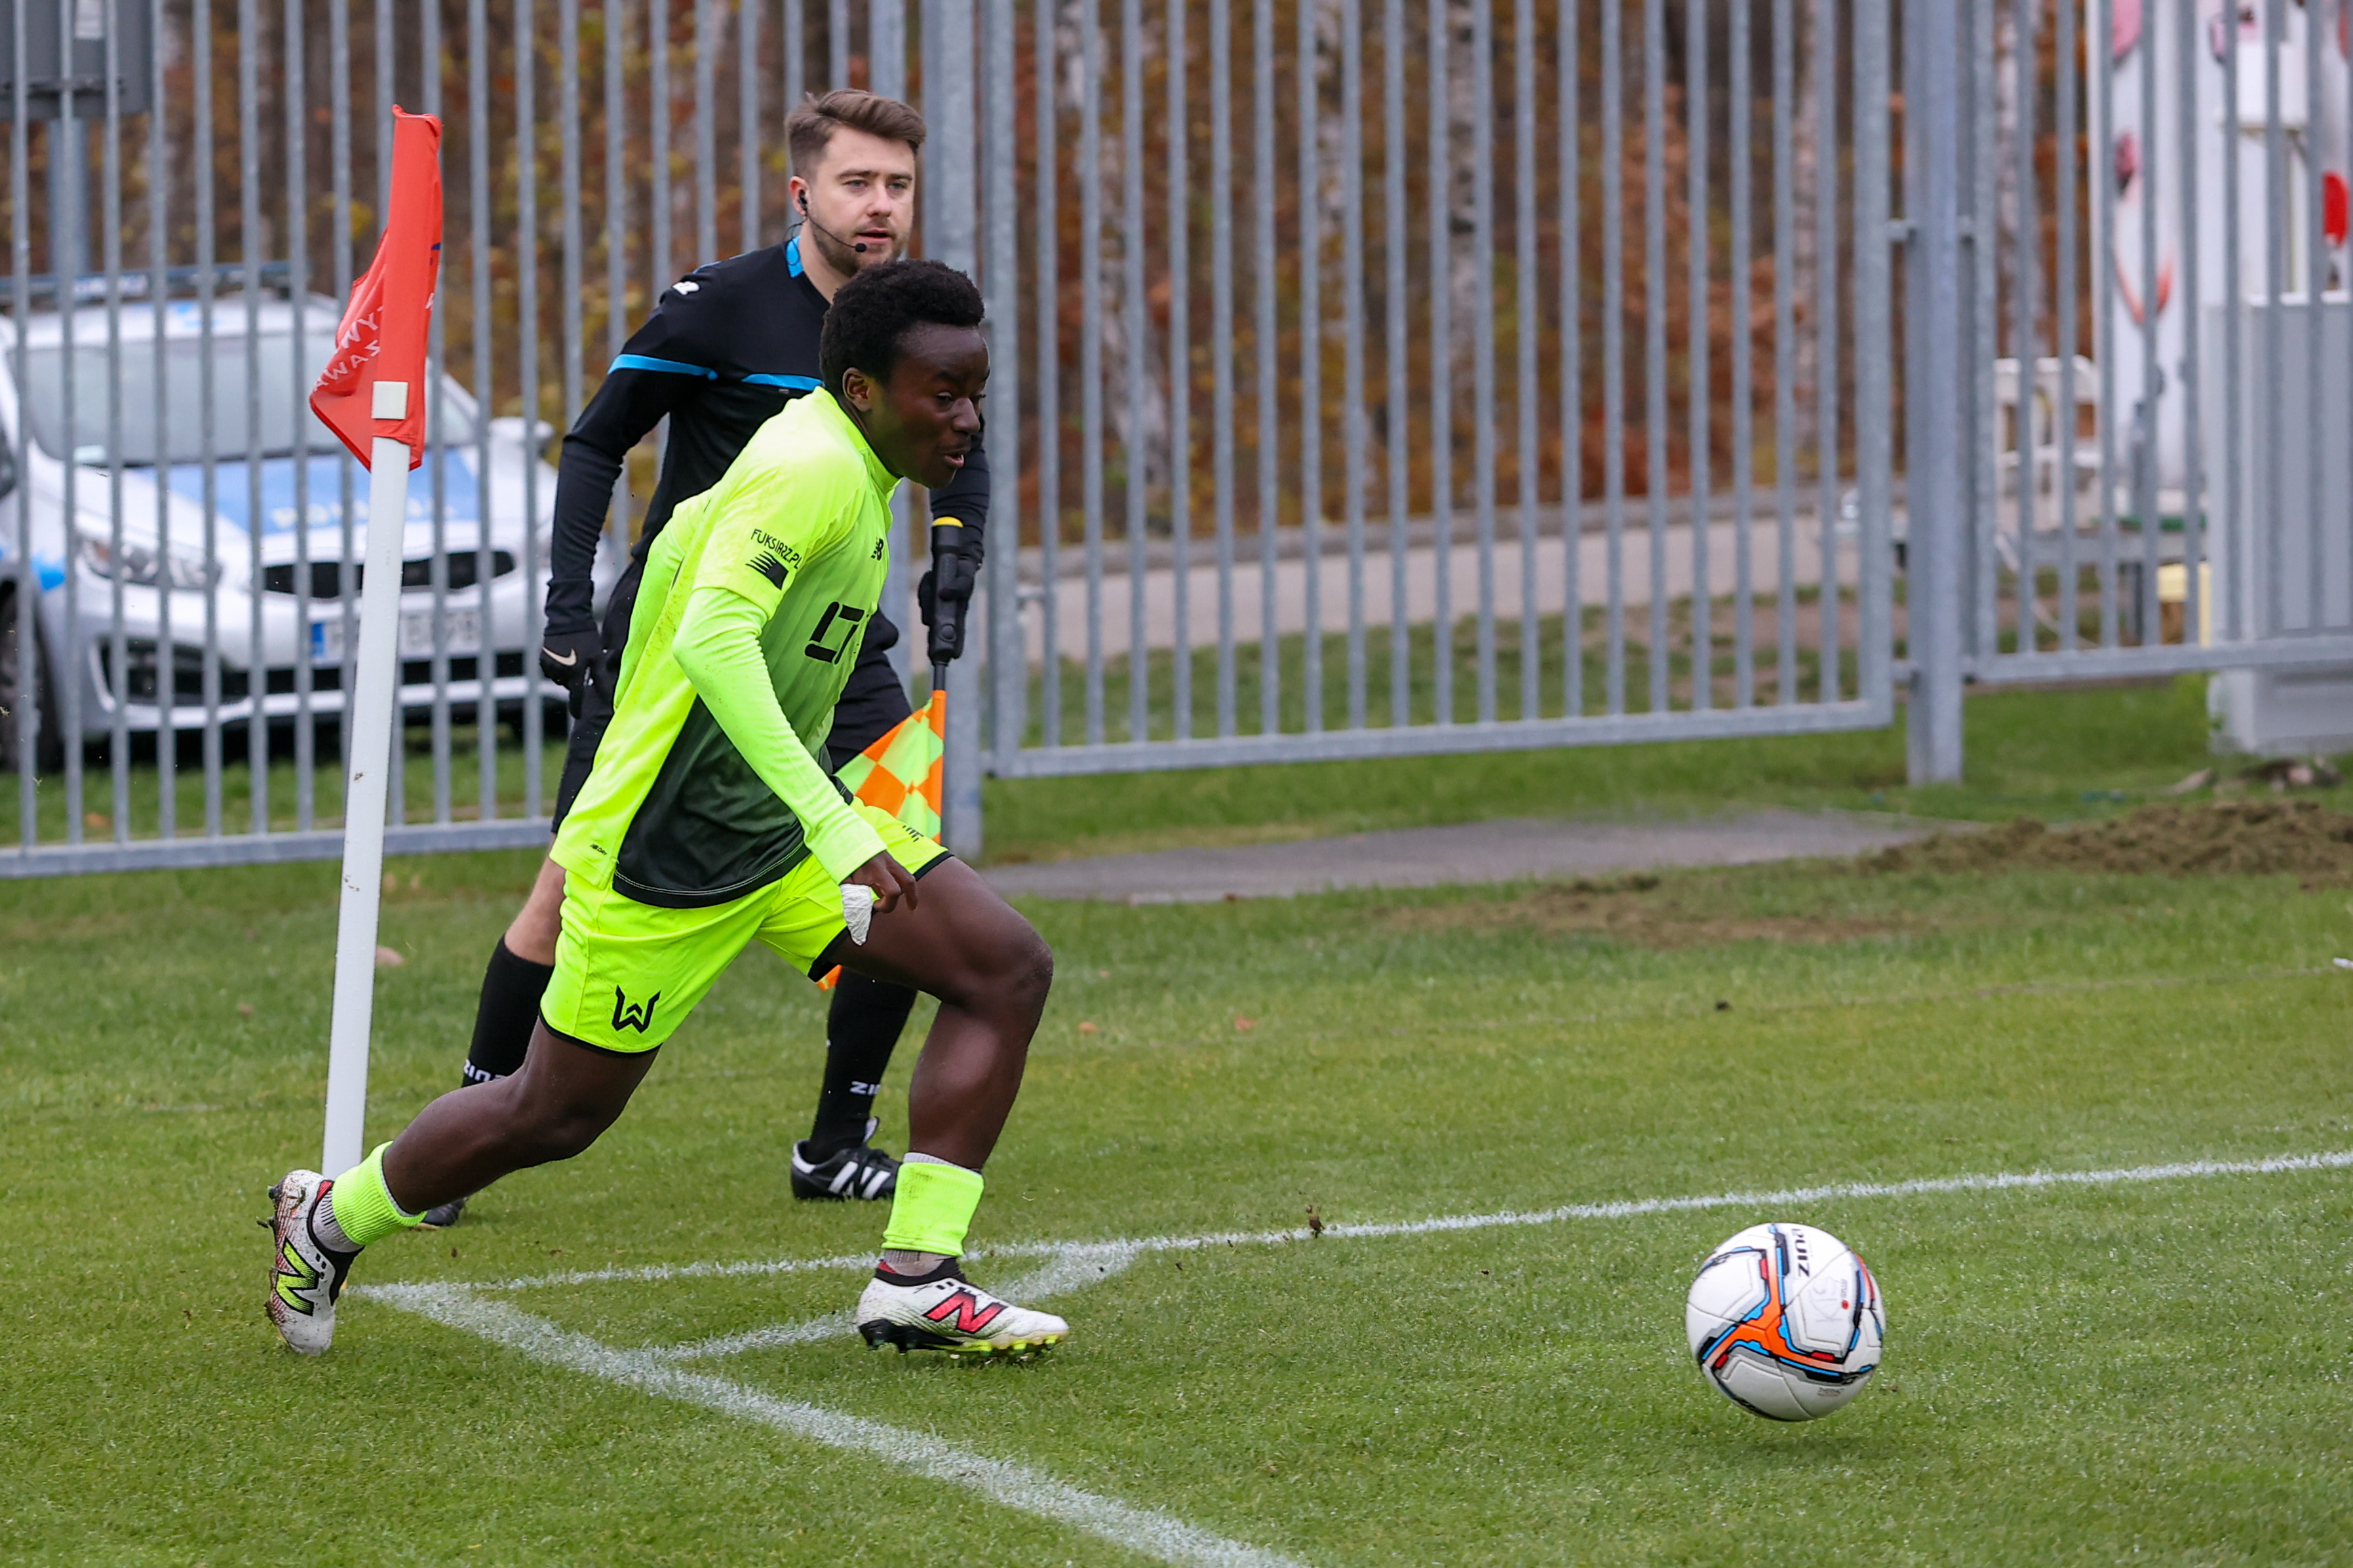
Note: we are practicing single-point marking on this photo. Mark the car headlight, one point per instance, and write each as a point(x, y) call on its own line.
point(146, 566)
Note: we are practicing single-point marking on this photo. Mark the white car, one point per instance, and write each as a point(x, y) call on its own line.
point(265, 582)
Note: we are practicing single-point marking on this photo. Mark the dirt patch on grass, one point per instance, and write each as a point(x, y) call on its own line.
point(1645, 911)
point(2228, 838)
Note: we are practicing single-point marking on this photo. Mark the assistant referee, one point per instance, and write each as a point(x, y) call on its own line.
point(726, 348)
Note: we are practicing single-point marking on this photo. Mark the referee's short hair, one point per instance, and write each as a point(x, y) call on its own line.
point(809, 129)
point(873, 313)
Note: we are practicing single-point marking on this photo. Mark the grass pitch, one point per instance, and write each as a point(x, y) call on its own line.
point(2150, 1370)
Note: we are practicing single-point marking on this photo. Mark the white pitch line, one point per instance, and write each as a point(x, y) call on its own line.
point(1143, 1530)
point(1080, 1251)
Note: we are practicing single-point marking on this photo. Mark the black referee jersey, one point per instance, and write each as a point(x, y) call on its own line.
point(727, 346)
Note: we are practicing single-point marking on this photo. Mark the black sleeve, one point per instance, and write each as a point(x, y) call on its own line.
point(630, 403)
point(966, 496)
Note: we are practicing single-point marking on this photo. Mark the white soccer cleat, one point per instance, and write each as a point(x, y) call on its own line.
point(305, 1276)
point(942, 1311)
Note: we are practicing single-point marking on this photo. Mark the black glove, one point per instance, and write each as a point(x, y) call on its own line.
point(569, 660)
point(946, 590)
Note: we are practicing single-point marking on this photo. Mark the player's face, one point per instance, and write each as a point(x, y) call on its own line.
point(922, 420)
point(862, 191)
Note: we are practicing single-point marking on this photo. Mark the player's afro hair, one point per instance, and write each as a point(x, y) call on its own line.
point(873, 311)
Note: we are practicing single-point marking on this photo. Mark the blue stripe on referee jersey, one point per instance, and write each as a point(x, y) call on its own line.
point(676, 368)
point(790, 383)
point(792, 256)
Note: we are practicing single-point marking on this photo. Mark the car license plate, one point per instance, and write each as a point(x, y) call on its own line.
point(464, 635)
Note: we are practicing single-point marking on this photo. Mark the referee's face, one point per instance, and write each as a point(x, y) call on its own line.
point(862, 192)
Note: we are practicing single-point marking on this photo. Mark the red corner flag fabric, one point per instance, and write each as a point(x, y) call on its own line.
point(382, 337)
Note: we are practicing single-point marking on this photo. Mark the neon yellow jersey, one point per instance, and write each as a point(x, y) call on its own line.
point(791, 545)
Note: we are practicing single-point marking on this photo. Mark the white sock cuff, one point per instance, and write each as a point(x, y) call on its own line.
point(912, 1158)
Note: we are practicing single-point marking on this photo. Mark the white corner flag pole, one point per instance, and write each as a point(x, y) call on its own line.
point(366, 790)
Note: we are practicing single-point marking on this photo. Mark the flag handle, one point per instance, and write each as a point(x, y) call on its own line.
point(368, 739)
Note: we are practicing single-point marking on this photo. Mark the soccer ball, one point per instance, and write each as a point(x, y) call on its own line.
point(1786, 1321)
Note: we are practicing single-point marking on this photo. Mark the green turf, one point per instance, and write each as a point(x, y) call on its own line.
point(2151, 1372)
point(2051, 754)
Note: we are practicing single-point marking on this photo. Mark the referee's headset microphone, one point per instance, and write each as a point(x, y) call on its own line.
point(857, 245)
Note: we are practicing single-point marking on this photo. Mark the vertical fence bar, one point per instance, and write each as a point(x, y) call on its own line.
point(747, 122)
point(28, 602)
point(1138, 350)
point(1049, 380)
point(1221, 339)
point(396, 775)
point(1935, 382)
point(1000, 92)
point(1439, 201)
point(111, 220)
point(2235, 526)
point(1352, 319)
point(795, 63)
point(1266, 349)
point(2193, 369)
point(159, 185)
point(1527, 311)
point(2103, 302)
point(1572, 365)
point(296, 107)
point(2144, 502)
point(1397, 424)
point(2023, 303)
point(248, 241)
point(1826, 340)
point(1180, 371)
point(616, 215)
point(836, 37)
point(1701, 392)
point(1090, 351)
point(69, 189)
point(1654, 335)
point(477, 269)
point(1981, 152)
point(1739, 120)
point(1613, 346)
point(2067, 280)
point(1309, 85)
point(338, 259)
point(1482, 335)
point(527, 177)
point(1874, 354)
point(707, 27)
point(2276, 208)
point(573, 344)
point(659, 132)
point(200, 36)
point(2316, 280)
point(1785, 358)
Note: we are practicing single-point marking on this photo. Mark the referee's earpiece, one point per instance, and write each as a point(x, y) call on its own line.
point(857, 246)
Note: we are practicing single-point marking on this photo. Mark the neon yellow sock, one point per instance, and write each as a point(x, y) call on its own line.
point(933, 1207)
point(362, 1205)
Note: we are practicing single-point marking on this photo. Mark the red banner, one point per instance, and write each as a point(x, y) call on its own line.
point(382, 338)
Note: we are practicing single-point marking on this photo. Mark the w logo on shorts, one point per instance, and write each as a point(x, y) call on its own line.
point(627, 1014)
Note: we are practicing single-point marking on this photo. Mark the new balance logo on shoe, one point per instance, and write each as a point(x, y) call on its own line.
point(970, 1316)
point(627, 1014)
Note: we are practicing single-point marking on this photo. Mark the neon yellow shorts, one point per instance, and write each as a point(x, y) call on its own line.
point(627, 973)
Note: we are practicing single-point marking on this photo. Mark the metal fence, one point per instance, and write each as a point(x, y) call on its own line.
point(1372, 376)
point(2136, 237)
point(1447, 376)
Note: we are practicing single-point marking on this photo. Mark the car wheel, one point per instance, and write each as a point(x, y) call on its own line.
point(49, 746)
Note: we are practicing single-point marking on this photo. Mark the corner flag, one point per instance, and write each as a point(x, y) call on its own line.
point(382, 337)
point(372, 395)
point(899, 774)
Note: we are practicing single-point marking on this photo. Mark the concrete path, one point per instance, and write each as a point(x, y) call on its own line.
point(1505, 851)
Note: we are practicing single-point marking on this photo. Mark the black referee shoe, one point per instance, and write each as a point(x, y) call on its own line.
point(860, 1171)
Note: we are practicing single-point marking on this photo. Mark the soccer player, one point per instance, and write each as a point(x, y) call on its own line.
point(727, 347)
point(710, 821)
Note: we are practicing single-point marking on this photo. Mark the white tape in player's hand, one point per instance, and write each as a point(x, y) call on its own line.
point(858, 911)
